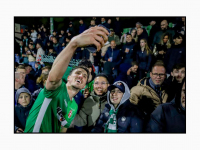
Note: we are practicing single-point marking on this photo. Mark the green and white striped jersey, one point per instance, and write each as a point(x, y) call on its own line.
point(51, 110)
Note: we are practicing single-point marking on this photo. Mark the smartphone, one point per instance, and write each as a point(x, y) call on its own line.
point(93, 48)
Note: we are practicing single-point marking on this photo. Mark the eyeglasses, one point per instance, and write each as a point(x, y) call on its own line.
point(160, 75)
point(102, 83)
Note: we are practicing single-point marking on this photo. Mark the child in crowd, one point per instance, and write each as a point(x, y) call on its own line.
point(24, 104)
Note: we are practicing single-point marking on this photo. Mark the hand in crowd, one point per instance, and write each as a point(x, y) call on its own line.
point(94, 54)
point(19, 130)
point(161, 52)
point(86, 93)
point(94, 35)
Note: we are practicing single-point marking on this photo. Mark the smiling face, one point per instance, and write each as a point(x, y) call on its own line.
point(158, 79)
point(128, 38)
point(24, 99)
point(78, 78)
point(116, 96)
point(100, 85)
point(165, 39)
point(179, 74)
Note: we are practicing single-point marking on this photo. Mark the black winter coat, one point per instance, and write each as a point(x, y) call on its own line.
point(129, 119)
point(21, 114)
point(176, 54)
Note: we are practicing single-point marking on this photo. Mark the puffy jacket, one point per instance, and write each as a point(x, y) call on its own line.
point(128, 116)
point(90, 110)
point(146, 98)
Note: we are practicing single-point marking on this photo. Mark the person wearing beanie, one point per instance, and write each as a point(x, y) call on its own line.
point(24, 103)
point(119, 115)
point(169, 117)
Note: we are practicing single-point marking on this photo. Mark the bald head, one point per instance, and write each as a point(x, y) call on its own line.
point(164, 24)
point(112, 44)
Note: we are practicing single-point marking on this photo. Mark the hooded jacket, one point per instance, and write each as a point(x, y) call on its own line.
point(21, 113)
point(168, 117)
point(145, 96)
point(90, 110)
point(129, 118)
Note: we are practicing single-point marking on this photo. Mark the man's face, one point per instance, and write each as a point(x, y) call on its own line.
point(21, 79)
point(109, 21)
point(139, 31)
point(112, 44)
point(92, 22)
point(128, 38)
point(117, 18)
point(100, 85)
point(28, 69)
point(54, 40)
point(158, 75)
point(78, 78)
point(183, 96)
point(54, 33)
point(30, 46)
point(112, 33)
point(134, 68)
point(138, 26)
point(102, 19)
point(22, 71)
point(24, 99)
point(178, 40)
point(62, 32)
point(163, 25)
point(178, 74)
point(116, 96)
point(81, 21)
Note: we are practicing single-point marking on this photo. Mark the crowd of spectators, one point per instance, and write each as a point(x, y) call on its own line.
point(149, 69)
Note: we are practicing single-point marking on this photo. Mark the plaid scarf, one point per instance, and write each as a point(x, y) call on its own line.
point(111, 124)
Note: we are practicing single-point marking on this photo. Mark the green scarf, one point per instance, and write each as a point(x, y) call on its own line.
point(111, 124)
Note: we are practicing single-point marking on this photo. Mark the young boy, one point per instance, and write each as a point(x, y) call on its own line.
point(24, 104)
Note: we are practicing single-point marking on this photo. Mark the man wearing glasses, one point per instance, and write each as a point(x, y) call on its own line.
point(94, 105)
point(150, 92)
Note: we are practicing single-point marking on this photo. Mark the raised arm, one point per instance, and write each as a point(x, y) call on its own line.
point(91, 36)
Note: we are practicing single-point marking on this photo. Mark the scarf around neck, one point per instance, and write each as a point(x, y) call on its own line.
point(111, 124)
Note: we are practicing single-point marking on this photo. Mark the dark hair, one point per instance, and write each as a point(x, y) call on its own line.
point(134, 63)
point(86, 63)
point(158, 63)
point(128, 34)
point(39, 43)
point(178, 66)
point(82, 67)
point(102, 75)
point(177, 35)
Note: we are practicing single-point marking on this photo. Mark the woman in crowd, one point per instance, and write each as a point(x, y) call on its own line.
point(143, 58)
point(161, 48)
point(119, 115)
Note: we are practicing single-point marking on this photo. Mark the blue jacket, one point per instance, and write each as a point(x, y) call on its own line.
point(128, 116)
point(123, 68)
point(116, 56)
point(57, 48)
point(175, 55)
point(144, 60)
point(131, 55)
point(82, 28)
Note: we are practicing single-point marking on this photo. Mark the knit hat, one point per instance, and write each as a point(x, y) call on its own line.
point(118, 85)
point(22, 90)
